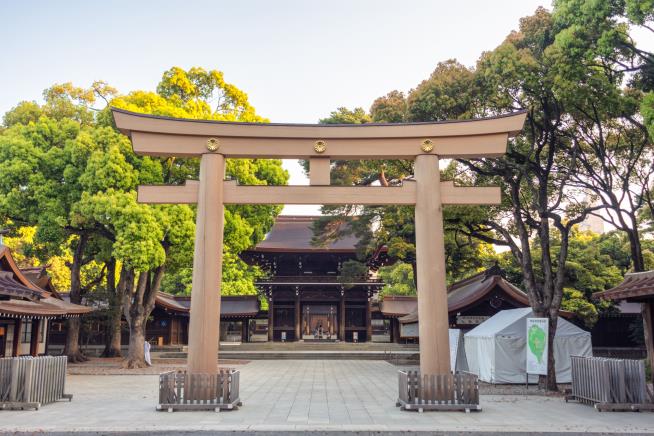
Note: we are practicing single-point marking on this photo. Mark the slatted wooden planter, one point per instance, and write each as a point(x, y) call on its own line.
point(179, 390)
point(610, 384)
point(458, 391)
point(30, 382)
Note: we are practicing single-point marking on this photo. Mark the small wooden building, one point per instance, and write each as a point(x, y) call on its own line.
point(26, 308)
point(637, 288)
point(470, 302)
point(168, 324)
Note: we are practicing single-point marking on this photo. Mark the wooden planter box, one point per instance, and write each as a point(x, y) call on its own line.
point(30, 382)
point(458, 391)
point(179, 390)
point(610, 384)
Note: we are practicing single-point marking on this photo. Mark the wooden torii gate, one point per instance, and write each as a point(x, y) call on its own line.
point(214, 141)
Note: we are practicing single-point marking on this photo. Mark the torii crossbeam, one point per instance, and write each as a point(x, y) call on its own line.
point(423, 142)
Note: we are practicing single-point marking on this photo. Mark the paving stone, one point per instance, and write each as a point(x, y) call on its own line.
point(284, 396)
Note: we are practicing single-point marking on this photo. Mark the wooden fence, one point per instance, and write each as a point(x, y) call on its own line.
point(182, 391)
point(458, 391)
point(610, 384)
point(30, 382)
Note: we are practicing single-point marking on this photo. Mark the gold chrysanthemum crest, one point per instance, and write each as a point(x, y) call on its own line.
point(213, 144)
point(427, 146)
point(320, 146)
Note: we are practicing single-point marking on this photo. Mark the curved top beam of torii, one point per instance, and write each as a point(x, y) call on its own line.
point(164, 136)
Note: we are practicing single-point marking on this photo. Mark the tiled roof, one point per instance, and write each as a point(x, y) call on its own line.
point(39, 276)
point(48, 307)
point(295, 233)
point(12, 288)
point(459, 295)
point(26, 299)
point(230, 305)
point(635, 286)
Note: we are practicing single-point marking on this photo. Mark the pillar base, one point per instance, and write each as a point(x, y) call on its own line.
point(183, 391)
point(418, 392)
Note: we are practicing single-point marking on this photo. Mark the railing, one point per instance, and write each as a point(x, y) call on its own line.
point(609, 384)
point(458, 391)
point(308, 278)
point(182, 391)
point(30, 382)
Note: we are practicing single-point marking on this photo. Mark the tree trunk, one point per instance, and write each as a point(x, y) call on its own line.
point(114, 333)
point(636, 250)
point(134, 313)
point(116, 295)
point(551, 384)
point(136, 353)
point(72, 349)
point(138, 308)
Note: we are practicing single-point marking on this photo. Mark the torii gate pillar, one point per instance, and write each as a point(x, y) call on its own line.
point(207, 268)
point(430, 264)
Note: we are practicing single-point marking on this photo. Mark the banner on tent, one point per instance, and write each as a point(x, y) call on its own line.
point(537, 338)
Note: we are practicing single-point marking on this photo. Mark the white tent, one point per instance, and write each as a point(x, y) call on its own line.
point(496, 349)
point(457, 351)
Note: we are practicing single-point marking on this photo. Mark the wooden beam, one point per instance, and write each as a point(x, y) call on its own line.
point(165, 144)
point(169, 194)
point(128, 122)
point(377, 195)
point(451, 194)
point(319, 170)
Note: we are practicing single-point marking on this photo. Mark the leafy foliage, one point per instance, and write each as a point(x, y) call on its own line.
point(68, 173)
point(398, 280)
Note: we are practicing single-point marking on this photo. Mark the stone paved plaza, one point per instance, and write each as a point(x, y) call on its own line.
point(303, 395)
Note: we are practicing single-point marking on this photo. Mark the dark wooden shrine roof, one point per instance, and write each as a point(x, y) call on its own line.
point(459, 295)
point(295, 234)
point(20, 297)
point(636, 286)
point(398, 305)
point(468, 291)
point(40, 277)
point(230, 305)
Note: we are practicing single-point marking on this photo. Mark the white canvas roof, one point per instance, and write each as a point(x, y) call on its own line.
point(496, 349)
point(513, 323)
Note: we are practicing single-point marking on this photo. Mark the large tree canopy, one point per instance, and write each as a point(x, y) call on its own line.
point(70, 174)
point(581, 78)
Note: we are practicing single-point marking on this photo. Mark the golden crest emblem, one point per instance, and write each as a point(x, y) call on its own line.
point(320, 146)
point(427, 145)
point(213, 144)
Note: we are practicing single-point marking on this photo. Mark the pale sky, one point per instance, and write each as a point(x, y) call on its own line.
point(297, 60)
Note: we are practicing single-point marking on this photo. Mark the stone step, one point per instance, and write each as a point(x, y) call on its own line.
point(401, 356)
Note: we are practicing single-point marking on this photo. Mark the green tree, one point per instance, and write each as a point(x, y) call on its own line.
point(398, 280)
point(391, 108)
point(595, 263)
point(449, 93)
point(186, 94)
point(343, 115)
point(41, 165)
point(94, 211)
